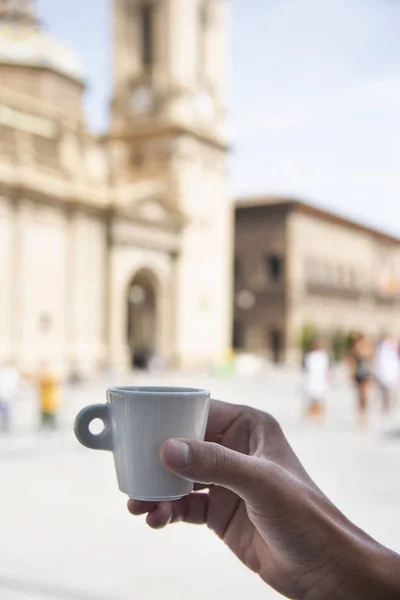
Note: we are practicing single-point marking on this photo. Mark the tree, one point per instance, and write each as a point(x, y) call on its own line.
point(309, 332)
point(339, 345)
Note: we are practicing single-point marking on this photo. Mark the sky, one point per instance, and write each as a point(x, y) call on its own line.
point(314, 102)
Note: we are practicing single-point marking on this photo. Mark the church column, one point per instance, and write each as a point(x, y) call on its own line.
point(70, 351)
point(173, 352)
point(6, 275)
point(107, 332)
point(117, 310)
point(17, 279)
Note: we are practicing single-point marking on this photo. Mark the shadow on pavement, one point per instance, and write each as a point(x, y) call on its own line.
point(393, 435)
point(46, 591)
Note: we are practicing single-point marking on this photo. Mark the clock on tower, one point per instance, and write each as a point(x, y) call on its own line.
point(169, 62)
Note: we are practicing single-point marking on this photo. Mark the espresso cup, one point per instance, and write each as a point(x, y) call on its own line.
point(137, 420)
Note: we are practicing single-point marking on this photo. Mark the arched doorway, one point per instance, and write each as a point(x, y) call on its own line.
point(142, 319)
point(276, 345)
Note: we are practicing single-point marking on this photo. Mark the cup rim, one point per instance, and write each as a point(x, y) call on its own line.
point(152, 390)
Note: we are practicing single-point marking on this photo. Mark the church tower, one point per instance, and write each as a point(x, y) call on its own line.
point(167, 127)
point(21, 11)
point(169, 63)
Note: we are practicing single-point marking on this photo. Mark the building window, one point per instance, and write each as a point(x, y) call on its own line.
point(353, 278)
point(274, 264)
point(238, 336)
point(237, 270)
point(8, 144)
point(341, 276)
point(146, 28)
point(203, 29)
point(138, 159)
point(312, 270)
point(328, 273)
point(46, 152)
point(276, 345)
point(45, 322)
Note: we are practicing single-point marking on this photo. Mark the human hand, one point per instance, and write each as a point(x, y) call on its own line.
point(268, 511)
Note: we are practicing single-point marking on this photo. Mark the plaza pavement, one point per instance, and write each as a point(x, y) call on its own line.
point(66, 534)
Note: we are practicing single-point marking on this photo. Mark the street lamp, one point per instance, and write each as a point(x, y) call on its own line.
point(245, 300)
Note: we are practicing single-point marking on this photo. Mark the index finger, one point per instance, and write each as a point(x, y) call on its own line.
point(222, 416)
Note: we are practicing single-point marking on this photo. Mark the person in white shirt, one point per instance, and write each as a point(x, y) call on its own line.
point(316, 368)
point(387, 369)
point(9, 384)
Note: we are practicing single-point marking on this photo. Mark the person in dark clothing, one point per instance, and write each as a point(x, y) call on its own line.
point(360, 359)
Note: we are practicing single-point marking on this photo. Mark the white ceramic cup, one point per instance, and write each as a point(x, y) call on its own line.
point(137, 420)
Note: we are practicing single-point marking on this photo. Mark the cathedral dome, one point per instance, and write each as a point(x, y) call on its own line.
point(23, 42)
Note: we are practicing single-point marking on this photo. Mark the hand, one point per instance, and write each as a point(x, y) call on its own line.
point(267, 510)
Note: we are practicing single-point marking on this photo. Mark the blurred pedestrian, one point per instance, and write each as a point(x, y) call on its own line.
point(9, 386)
point(156, 364)
point(74, 376)
point(360, 359)
point(317, 369)
point(49, 396)
point(387, 369)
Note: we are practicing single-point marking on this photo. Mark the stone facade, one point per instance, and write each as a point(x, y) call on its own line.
point(298, 266)
point(118, 246)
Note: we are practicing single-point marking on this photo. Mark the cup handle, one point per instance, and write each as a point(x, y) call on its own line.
point(102, 441)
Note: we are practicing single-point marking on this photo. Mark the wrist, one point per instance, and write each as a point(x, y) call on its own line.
point(384, 566)
point(365, 570)
point(355, 567)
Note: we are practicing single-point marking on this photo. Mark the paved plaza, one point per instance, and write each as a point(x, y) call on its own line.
point(66, 533)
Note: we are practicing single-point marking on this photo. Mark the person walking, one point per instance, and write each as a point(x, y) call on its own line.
point(360, 358)
point(387, 369)
point(9, 385)
point(316, 368)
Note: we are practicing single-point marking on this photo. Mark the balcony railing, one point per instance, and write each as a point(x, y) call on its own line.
point(320, 288)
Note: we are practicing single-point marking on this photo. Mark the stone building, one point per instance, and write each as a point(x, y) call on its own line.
point(117, 246)
point(299, 267)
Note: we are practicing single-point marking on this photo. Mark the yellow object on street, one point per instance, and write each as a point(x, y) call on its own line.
point(49, 393)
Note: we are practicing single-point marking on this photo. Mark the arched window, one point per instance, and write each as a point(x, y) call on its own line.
point(146, 33)
point(203, 29)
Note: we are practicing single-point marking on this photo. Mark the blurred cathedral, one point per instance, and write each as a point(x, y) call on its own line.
point(115, 248)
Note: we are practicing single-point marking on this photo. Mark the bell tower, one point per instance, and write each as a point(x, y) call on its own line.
point(167, 129)
point(169, 63)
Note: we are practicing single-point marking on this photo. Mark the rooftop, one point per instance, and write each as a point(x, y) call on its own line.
point(23, 41)
point(298, 205)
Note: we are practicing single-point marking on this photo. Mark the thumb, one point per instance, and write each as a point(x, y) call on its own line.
point(205, 462)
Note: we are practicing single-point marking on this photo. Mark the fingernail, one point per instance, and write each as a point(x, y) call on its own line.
point(178, 453)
